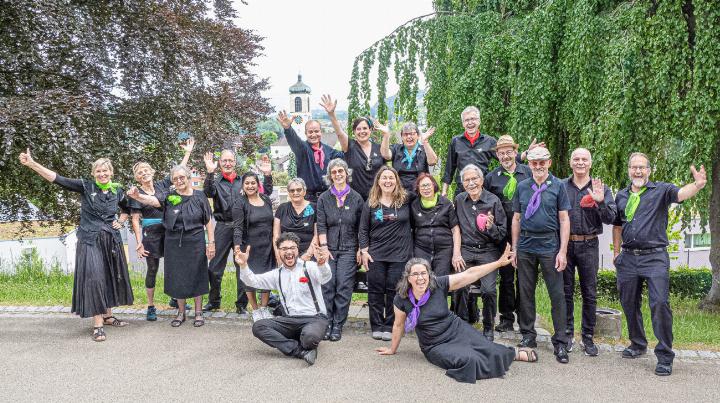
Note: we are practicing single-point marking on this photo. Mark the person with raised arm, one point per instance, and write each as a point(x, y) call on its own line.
point(413, 156)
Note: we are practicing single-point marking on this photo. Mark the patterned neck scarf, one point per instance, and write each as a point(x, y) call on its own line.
point(111, 186)
point(319, 154)
point(412, 318)
point(633, 203)
point(472, 139)
point(230, 177)
point(534, 204)
point(431, 202)
point(340, 194)
point(510, 186)
point(410, 156)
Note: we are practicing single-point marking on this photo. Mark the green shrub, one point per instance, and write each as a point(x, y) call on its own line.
point(280, 178)
point(684, 283)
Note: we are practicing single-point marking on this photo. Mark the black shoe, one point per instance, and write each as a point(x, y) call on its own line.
point(663, 369)
point(328, 330)
point(633, 352)
point(336, 333)
point(589, 347)
point(561, 355)
point(309, 356)
point(488, 333)
point(239, 310)
point(527, 342)
point(504, 327)
point(211, 307)
point(570, 345)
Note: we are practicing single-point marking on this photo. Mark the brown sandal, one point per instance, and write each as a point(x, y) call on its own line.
point(98, 333)
point(113, 321)
point(530, 354)
point(177, 321)
point(199, 319)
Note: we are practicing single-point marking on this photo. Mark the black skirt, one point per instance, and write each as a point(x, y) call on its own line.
point(186, 265)
point(154, 240)
point(101, 276)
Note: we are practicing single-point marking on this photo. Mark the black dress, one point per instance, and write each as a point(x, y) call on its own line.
point(408, 174)
point(186, 264)
point(254, 227)
point(101, 278)
point(303, 224)
point(452, 344)
point(153, 235)
point(364, 169)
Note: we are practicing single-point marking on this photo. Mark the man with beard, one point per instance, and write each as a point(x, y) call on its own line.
point(502, 182)
point(540, 232)
point(299, 282)
point(640, 247)
point(592, 206)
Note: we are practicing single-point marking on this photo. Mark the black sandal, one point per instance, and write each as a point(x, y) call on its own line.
point(199, 319)
point(177, 322)
point(530, 354)
point(113, 321)
point(98, 333)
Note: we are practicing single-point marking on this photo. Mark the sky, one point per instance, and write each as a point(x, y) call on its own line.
point(320, 39)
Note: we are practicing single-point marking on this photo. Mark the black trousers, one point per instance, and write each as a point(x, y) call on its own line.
point(382, 282)
point(583, 257)
point(528, 264)
point(440, 260)
point(291, 334)
point(507, 299)
point(653, 269)
point(216, 267)
point(338, 291)
point(464, 304)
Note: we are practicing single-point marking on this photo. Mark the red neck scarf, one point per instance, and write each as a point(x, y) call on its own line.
point(230, 177)
point(472, 139)
point(319, 154)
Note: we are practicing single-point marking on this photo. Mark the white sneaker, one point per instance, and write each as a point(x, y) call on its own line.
point(386, 336)
point(266, 313)
point(377, 335)
point(257, 315)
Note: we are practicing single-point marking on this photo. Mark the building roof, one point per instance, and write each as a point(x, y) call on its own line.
point(299, 87)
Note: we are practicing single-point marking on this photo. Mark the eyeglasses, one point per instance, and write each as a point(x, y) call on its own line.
point(226, 161)
point(468, 180)
point(419, 274)
point(473, 119)
point(337, 172)
point(506, 154)
point(409, 134)
point(538, 163)
point(179, 179)
point(296, 190)
point(638, 168)
point(425, 185)
point(287, 248)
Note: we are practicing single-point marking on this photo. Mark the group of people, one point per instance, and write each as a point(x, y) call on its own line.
point(377, 206)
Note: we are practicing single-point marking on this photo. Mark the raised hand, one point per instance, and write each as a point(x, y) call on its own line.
point(189, 145)
point(241, 257)
point(25, 158)
point(536, 144)
point(210, 163)
point(699, 176)
point(597, 191)
point(381, 127)
point(328, 104)
point(265, 166)
point(426, 136)
point(284, 119)
point(133, 192)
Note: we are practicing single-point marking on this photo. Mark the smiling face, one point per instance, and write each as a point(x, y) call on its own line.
point(250, 186)
point(409, 137)
point(288, 253)
point(581, 162)
point(313, 132)
point(419, 278)
point(426, 188)
point(227, 162)
point(338, 176)
point(639, 171)
point(362, 131)
point(102, 173)
point(472, 182)
point(471, 122)
point(296, 193)
point(540, 168)
point(181, 181)
point(387, 181)
point(144, 173)
point(506, 156)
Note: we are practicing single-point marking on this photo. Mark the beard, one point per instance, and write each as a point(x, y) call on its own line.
point(639, 182)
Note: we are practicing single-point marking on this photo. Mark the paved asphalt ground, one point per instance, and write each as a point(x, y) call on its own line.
point(52, 358)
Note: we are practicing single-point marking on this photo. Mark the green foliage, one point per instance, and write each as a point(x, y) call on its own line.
point(292, 166)
point(280, 178)
point(684, 282)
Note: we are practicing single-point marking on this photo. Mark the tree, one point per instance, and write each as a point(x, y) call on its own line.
point(614, 76)
point(81, 80)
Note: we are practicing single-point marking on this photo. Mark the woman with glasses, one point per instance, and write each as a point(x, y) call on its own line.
point(435, 227)
point(186, 217)
point(253, 226)
point(413, 156)
point(362, 155)
point(385, 245)
point(297, 216)
point(338, 218)
point(101, 279)
point(446, 340)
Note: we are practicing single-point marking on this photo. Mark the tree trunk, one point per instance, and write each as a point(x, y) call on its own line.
point(712, 300)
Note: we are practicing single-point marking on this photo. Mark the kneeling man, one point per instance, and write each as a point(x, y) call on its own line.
point(299, 282)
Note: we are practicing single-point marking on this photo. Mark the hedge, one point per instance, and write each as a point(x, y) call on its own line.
point(684, 282)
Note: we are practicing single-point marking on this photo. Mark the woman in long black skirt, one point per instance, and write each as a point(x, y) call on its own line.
point(446, 340)
point(101, 279)
point(186, 216)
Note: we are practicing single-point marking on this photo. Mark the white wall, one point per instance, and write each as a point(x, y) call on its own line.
point(51, 250)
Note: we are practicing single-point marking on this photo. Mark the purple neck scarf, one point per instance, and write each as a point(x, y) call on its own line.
point(339, 194)
point(412, 318)
point(534, 204)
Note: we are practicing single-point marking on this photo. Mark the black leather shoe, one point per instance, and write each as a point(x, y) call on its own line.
point(309, 356)
point(328, 329)
point(561, 355)
point(211, 307)
point(589, 347)
point(504, 327)
point(336, 333)
point(663, 369)
point(489, 334)
point(527, 342)
point(633, 352)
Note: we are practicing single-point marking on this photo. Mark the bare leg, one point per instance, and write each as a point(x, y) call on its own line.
point(252, 298)
point(264, 299)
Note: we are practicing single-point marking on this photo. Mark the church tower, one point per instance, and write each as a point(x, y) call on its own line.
point(300, 106)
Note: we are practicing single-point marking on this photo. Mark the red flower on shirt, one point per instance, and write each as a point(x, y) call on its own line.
point(304, 279)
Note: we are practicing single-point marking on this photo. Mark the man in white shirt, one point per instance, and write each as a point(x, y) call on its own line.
point(299, 282)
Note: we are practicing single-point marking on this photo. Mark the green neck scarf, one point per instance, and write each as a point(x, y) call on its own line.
point(431, 202)
point(111, 186)
point(510, 186)
point(632, 204)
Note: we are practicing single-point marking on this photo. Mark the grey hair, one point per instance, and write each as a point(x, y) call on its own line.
point(469, 109)
point(299, 181)
point(471, 167)
point(580, 149)
point(410, 126)
point(639, 154)
point(102, 162)
point(337, 162)
point(403, 285)
point(178, 168)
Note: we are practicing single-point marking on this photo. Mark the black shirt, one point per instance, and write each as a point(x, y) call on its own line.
point(408, 175)
point(307, 168)
point(387, 232)
point(303, 224)
point(340, 225)
point(253, 226)
point(461, 154)
point(495, 182)
point(192, 212)
point(363, 173)
point(589, 220)
point(649, 225)
point(433, 227)
point(475, 240)
point(146, 210)
point(224, 193)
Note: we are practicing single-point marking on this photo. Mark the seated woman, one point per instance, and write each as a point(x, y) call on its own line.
point(446, 340)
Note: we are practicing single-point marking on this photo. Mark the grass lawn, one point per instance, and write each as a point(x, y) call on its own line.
point(693, 329)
